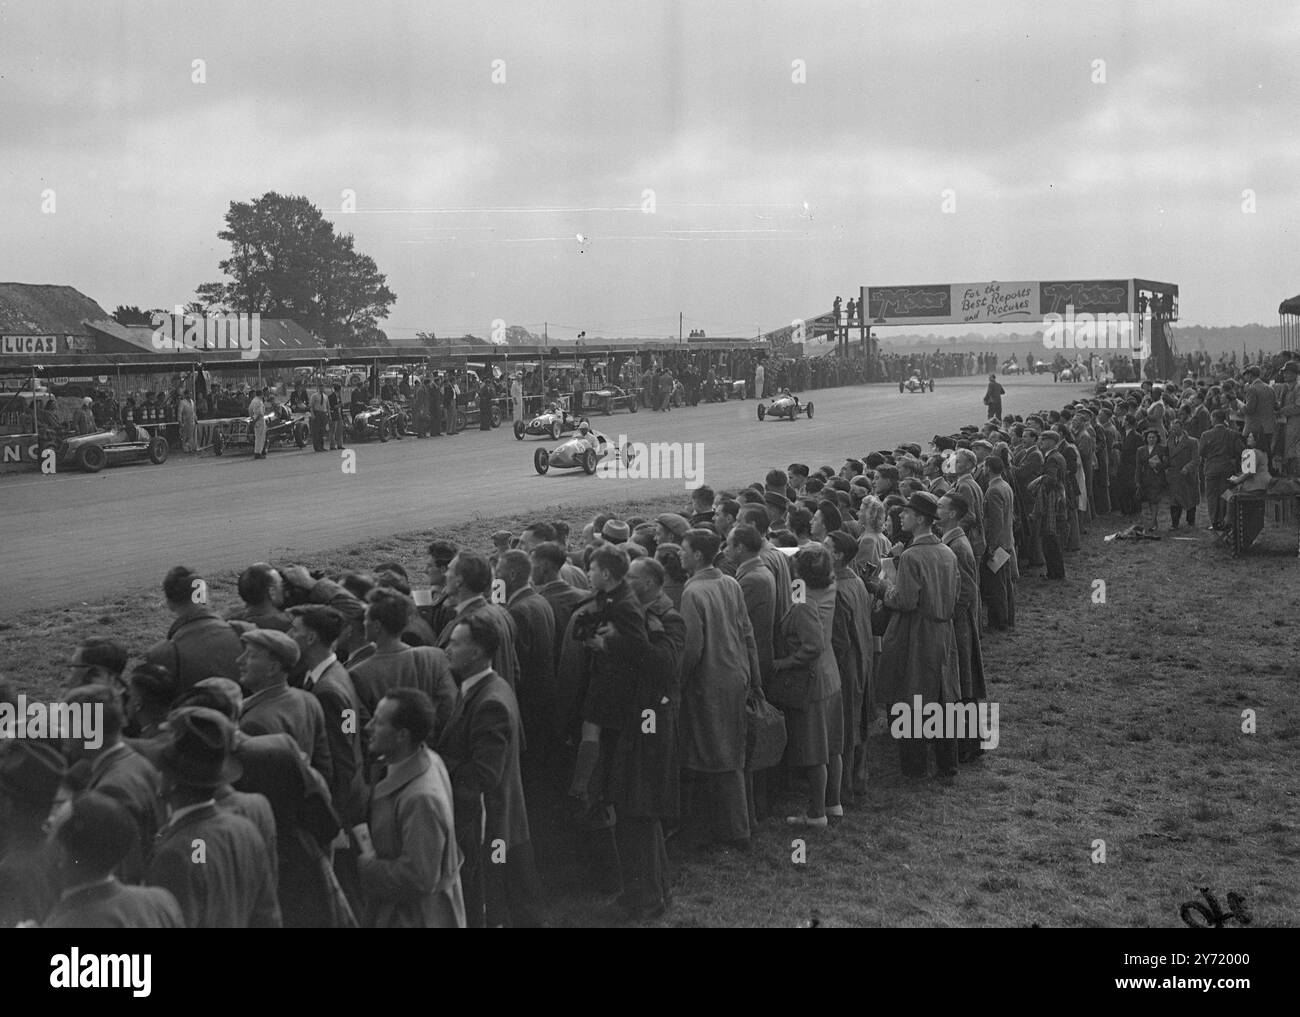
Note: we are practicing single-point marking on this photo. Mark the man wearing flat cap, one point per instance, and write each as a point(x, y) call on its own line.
point(212, 861)
point(919, 650)
point(271, 705)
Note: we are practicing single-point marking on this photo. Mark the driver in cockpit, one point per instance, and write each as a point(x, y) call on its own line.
point(593, 439)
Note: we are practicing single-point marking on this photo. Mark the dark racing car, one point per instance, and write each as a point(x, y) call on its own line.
point(381, 419)
point(585, 449)
point(784, 407)
point(553, 422)
point(282, 427)
point(92, 452)
point(607, 400)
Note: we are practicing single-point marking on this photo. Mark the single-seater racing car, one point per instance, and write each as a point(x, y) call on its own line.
point(552, 422)
point(282, 427)
point(381, 419)
point(606, 400)
point(784, 407)
point(92, 452)
point(916, 384)
point(585, 449)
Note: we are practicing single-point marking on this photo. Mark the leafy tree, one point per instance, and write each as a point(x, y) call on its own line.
point(131, 315)
point(286, 261)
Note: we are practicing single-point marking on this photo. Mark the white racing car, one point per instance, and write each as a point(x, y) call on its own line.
point(585, 449)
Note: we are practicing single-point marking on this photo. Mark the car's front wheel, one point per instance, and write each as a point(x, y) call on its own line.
point(496, 416)
point(541, 460)
point(92, 458)
point(632, 406)
point(158, 450)
point(555, 430)
point(589, 461)
point(810, 408)
point(519, 430)
point(762, 411)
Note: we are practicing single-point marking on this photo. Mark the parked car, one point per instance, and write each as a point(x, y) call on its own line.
point(381, 419)
point(282, 427)
point(607, 400)
point(113, 447)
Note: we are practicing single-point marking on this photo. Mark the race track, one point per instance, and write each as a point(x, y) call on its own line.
point(78, 537)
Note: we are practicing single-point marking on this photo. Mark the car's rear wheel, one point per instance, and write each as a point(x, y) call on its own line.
point(541, 460)
point(589, 461)
point(383, 431)
point(218, 443)
point(762, 411)
point(810, 408)
point(555, 430)
point(519, 430)
point(92, 458)
point(158, 450)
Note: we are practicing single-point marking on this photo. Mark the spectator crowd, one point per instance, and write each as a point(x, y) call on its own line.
point(385, 748)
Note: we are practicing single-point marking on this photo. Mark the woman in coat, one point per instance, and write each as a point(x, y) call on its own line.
point(854, 649)
point(1126, 475)
point(1152, 462)
point(1183, 473)
point(1049, 516)
point(815, 730)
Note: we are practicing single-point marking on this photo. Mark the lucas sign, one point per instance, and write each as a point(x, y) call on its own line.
point(28, 345)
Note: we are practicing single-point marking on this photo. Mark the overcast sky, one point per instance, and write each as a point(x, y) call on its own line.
point(770, 196)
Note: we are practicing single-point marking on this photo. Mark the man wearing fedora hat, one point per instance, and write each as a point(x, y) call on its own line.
point(271, 705)
point(30, 774)
point(919, 651)
point(93, 838)
point(213, 861)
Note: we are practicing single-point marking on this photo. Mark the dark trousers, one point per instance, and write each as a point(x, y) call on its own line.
point(318, 425)
point(1215, 485)
point(512, 890)
point(643, 861)
point(1053, 556)
point(999, 592)
point(913, 755)
point(1176, 512)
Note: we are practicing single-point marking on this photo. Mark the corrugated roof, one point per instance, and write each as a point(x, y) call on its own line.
point(27, 308)
point(273, 334)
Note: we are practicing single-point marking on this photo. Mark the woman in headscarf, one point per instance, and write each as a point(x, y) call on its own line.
point(816, 729)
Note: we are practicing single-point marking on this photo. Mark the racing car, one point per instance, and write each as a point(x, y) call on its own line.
point(585, 449)
point(92, 452)
point(606, 400)
point(784, 406)
point(380, 419)
point(554, 421)
point(916, 384)
point(282, 427)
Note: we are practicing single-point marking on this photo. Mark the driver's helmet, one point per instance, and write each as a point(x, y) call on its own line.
point(584, 428)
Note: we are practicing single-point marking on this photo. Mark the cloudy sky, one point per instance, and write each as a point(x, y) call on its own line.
point(773, 184)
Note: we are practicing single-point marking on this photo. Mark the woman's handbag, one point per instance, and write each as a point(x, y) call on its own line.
point(789, 689)
point(764, 732)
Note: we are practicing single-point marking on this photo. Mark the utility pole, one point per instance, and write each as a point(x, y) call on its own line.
point(679, 326)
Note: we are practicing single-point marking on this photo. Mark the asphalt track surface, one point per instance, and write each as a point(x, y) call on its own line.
point(89, 538)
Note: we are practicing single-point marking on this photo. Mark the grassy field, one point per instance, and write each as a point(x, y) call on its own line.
point(1120, 722)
